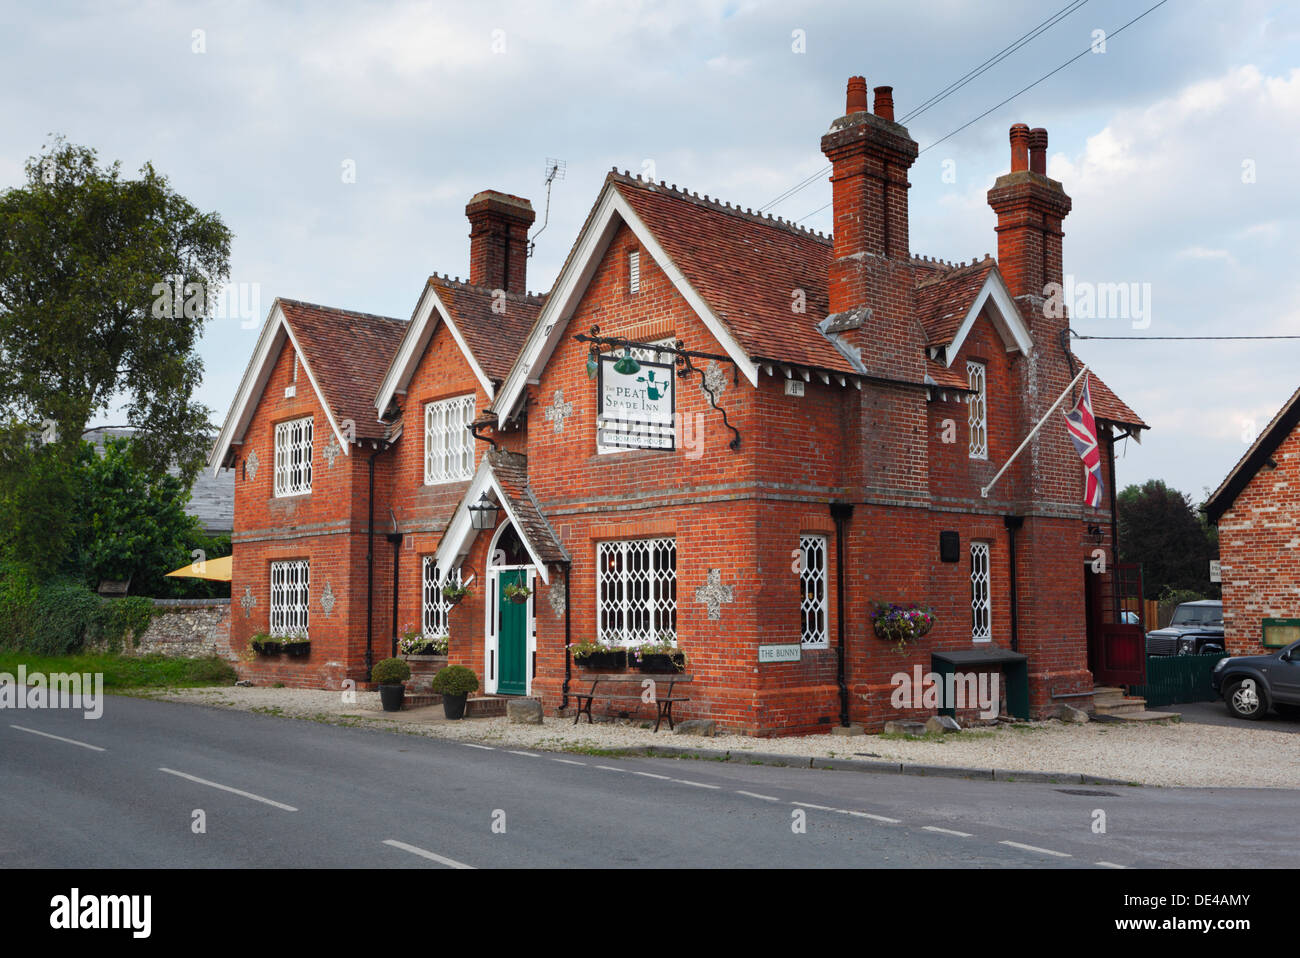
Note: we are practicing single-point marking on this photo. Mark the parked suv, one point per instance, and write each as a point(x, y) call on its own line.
point(1251, 684)
point(1195, 629)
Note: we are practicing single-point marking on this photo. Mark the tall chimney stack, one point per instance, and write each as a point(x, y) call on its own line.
point(498, 240)
point(1030, 208)
point(870, 155)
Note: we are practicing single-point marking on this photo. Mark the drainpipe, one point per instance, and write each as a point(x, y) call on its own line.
point(1013, 524)
point(1114, 531)
point(568, 655)
point(840, 512)
point(396, 539)
point(380, 446)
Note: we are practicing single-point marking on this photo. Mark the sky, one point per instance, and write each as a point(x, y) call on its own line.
point(341, 141)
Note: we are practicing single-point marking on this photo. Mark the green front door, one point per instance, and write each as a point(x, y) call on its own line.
point(512, 639)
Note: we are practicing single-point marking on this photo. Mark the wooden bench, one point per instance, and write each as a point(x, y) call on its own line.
point(619, 689)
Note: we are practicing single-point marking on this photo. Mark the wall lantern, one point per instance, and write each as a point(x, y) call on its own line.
point(483, 514)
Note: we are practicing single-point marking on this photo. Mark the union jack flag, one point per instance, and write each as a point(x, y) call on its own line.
point(1083, 433)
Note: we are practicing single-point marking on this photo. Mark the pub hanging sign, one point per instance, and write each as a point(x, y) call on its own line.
point(636, 409)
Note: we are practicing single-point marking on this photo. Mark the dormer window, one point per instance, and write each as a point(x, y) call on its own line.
point(977, 417)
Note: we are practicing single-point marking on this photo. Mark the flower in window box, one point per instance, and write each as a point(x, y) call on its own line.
point(900, 624)
point(662, 655)
point(598, 656)
point(264, 644)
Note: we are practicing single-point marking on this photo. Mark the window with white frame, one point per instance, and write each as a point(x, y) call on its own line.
point(980, 601)
point(448, 445)
point(290, 597)
point(435, 605)
point(812, 591)
point(977, 411)
point(636, 591)
point(293, 457)
point(634, 271)
point(641, 354)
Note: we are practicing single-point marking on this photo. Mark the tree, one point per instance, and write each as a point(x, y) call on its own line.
point(1160, 528)
point(104, 517)
point(105, 285)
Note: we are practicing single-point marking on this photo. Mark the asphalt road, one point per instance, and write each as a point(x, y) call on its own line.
point(287, 793)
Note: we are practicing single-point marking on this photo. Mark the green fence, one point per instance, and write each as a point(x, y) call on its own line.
point(1178, 678)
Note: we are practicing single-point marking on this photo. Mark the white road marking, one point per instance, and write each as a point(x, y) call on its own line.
point(529, 754)
point(227, 788)
point(1035, 848)
point(820, 808)
point(1111, 865)
point(568, 761)
point(611, 768)
point(685, 781)
point(946, 831)
point(653, 775)
point(766, 798)
point(425, 853)
point(877, 818)
point(486, 748)
point(59, 738)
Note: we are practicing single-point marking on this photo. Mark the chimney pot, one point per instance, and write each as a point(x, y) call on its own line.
point(857, 96)
point(885, 103)
point(1038, 150)
point(1019, 148)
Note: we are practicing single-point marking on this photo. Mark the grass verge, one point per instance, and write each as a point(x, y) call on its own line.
point(128, 672)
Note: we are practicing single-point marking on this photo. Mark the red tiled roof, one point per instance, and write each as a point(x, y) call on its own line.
point(495, 339)
point(943, 376)
point(943, 298)
point(348, 353)
point(1106, 405)
point(746, 267)
point(511, 471)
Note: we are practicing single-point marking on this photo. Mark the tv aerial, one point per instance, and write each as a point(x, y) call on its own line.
point(554, 171)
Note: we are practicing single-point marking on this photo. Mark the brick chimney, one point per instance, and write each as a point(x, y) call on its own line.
point(1030, 208)
point(498, 240)
point(870, 281)
point(870, 155)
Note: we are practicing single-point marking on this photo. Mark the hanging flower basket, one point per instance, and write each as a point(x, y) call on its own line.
point(454, 593)
point(517, 594)
point(900, 624)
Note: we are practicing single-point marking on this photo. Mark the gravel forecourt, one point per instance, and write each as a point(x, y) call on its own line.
point(1164, 753)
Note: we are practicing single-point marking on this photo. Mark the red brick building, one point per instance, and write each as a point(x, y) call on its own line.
point(851, 403)
point(1257, 511)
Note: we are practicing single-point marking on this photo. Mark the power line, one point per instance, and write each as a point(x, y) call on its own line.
point(1113, 33)
point(947, 91)
point(997, 58)
point(1045, 76)
point(1213, 338)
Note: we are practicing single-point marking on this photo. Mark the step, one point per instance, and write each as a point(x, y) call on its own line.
point(1146, 715)
point(485, 705)
point(419, 700)
point(1122, 709)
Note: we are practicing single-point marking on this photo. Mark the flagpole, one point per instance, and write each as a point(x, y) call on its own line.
point(984, 492)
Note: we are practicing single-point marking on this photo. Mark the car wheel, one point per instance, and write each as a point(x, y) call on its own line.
point(1245, 700)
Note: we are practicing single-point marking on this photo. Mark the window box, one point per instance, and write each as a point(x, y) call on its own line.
point(264, 644)
point(661, 663)
point(599, 658)
point(296, 647)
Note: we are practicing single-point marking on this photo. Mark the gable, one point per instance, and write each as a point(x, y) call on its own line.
point(1256, 457)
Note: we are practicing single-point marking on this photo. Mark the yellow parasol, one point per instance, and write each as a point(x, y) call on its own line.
point(216, 570)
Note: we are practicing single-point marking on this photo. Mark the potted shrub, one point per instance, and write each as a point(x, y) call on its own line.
point(454, 683)
point(597, 656)
point(900, 624)
point(264, 644)
point(390, 674)
point(297, 644)
point(517, 593)
point(453, 592)
point(662, 656)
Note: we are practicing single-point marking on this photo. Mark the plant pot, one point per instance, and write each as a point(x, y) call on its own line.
point(604, 661)
point(661, 663)
point(297, 648)
point(519, 599)
point(454, 599)
point(453, 706)
point(392, 697)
